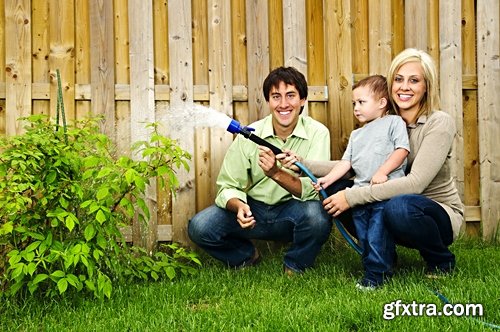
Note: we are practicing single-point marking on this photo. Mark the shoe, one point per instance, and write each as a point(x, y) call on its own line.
point(290, 272)
point(366, 285)
point(438, 273)
point(255, 260)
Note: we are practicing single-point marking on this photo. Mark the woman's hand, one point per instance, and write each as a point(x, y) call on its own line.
point(336, 204)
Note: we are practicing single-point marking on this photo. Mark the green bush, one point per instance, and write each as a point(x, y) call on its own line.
point(64, 196)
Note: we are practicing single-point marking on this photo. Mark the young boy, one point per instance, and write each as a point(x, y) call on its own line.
point(377, 153)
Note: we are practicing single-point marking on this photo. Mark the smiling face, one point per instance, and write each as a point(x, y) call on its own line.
point(285, 105)
point(366, 106)
point(408, 89)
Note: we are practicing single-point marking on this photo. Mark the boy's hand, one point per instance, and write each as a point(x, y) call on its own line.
point(378, 178)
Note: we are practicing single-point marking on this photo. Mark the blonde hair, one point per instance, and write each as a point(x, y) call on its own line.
point(430, 101)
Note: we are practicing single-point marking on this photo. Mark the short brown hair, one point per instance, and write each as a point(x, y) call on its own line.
point(377, 85)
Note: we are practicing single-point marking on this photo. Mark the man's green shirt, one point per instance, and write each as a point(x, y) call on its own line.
point(241, 176)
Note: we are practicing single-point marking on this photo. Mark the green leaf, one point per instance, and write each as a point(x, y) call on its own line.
point(100, 216)
point(32, 246)
point(39, 278)
point(62, 285)
point(102, 193)
point(58, 274)
point(89, 232)
point(170, 271)
point(51, 176)
point(70, 222)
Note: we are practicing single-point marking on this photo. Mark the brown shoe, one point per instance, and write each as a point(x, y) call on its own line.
point(256, 258)
point(289, 272)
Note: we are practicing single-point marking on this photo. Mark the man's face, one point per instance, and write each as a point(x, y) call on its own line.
point(284, 105)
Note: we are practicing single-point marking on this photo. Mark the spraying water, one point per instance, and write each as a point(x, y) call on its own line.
point(194, 116)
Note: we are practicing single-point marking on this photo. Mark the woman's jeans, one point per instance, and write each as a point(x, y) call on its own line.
point(373, 238)
point(418, 222)
point(303, 223)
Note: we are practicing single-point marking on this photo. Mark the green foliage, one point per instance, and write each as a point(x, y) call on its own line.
point(63, 198)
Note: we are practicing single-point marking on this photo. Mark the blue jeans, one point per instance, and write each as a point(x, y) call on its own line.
point(376, 242)
point(418, 222)
point(305, 224)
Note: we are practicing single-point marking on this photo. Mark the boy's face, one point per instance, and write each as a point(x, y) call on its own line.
point(366, 107)
point(284, 105)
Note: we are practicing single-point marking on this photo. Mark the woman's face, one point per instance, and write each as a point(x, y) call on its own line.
point(409, 87)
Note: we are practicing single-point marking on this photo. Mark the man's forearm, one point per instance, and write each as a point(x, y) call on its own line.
point(288, 181)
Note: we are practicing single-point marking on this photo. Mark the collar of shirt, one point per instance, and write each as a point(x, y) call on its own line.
point(299, 131)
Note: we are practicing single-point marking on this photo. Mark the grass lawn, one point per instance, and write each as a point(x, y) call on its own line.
point(261, 298)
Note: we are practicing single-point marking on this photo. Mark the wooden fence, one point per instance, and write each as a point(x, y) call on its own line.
point(139, 61)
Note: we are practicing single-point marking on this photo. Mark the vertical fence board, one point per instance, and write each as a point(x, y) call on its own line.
point(316, 57)
point(83, 55)
point(2, 68)
point(122, 65)
point(451, 78)
point(258, 56)
point(489, 98)
point(380, 36)
point(416, 26)
point(40, 63)
point(102, 64)
point(471, 142)
point(62, 54)
point(239, 58)
point(276, 38)
point(338, 67)
point(398, 27)
point(142, 103)
point(294, 36)
point(18, 64)
point(220, 81)
point(360, 37)
point(181, 97)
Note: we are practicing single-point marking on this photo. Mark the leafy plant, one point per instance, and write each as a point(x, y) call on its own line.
point(64, 196)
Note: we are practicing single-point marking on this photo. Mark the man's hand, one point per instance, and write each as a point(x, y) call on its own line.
point(288, 159)
point(245, 217)
point(267, 161)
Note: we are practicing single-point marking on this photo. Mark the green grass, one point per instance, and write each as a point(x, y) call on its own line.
point(263, 299)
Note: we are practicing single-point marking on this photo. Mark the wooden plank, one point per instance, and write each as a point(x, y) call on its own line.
point(62, 55)
point(451, 80)
point(294, 37)
point(339, 73)
point(239, 55)
point(164, 233)
point(316, 59)
point(82, 57)
point(380, 34)
point(433, 46)
point(40, 63)
point(220, 83)
point(181, 100)
point(360, 36)
point(469, 101)
point(160, 24)
point(488, 66)
point(2, 68)
point(398, 27)
point(257, 26)
point(276, 31)
point(17, 64)
point(142, 104)
point(102, 75)
point(416, 25)
point(122, 65)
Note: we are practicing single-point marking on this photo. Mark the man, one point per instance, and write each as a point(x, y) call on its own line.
point(251, 201)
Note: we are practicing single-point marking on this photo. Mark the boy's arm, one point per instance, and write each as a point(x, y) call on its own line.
point(394, 161)
point(337, 172)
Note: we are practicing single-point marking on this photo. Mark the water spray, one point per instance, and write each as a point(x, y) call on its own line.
point(235, 127)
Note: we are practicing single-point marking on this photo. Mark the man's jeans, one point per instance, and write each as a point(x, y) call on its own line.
point(377, 244)
point(418, 222)
point(305, 224)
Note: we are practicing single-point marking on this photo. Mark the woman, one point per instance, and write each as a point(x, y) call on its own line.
point(424, 210)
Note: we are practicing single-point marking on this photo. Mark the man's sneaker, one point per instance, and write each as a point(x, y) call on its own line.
point(366, 285)
point(438, 273)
